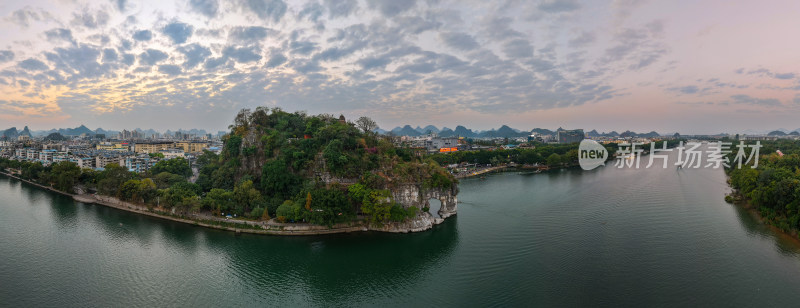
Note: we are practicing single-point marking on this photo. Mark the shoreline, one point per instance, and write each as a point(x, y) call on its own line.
point(791, 235)
point(422, 222)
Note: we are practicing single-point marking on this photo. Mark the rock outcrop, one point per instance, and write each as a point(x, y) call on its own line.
point(414, 194)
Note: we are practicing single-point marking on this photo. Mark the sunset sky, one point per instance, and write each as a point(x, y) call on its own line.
point(686, 66)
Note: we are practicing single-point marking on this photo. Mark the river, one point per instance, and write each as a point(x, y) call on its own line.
point(610, 237)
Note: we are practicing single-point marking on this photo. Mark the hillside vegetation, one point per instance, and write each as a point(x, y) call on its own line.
point(274, 164)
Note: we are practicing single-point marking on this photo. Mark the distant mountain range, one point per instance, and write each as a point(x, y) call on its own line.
point(503, 132)
point(13, 133)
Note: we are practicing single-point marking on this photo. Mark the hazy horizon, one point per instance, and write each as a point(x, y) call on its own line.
point(695, 67)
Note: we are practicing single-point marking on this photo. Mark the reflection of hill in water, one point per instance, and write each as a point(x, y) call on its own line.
point(344, 268)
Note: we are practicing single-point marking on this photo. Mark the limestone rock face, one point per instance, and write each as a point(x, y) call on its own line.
point(413, 194)
point(422, 222)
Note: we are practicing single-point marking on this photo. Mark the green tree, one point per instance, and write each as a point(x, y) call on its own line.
point(112, 178)
point(278, 181)
point(179, 166)
point(65, 174)
point(285, 211)
point(377, 205)
point(218, 200)
point(554, 160)
point(246, 197)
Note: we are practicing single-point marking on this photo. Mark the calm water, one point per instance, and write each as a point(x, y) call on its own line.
point(607, 237)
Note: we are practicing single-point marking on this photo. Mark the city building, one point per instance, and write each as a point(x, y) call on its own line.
point(570, 136)
point(152, 147)
point(173, 153)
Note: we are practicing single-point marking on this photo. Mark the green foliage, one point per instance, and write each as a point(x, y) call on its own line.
point(277, 180)
point(329, 206)
point(398, 213)
point(270, 156)
point(335, 157)
point(138, 190)
point(285, 209)
point(166, 179)
point(537, 155)
point(218, 200)
point(439, 179)
point(182, 195)
point(246, 197)
point(377, 205)
point(553, 160)
point(112, 178)
point(64, 175)
point(232, 145)
point(773, 187)
point(179, 166)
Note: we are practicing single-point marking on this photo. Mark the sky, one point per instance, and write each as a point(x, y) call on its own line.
point(693, 67)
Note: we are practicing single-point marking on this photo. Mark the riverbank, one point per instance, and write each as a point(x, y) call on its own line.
point(792, 235)
point(423, 221)
point(464, 175)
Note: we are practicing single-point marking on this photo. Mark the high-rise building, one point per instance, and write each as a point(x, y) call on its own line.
point(570, 136)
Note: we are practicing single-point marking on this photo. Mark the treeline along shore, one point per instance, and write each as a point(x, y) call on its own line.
point(772, 188)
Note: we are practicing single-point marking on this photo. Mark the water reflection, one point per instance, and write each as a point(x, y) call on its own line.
point(64, 211)
point(784, 243)
point(337, 268)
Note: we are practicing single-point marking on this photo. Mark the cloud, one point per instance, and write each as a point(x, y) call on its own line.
point(749, 100)
point(152, 56)
point(691, 89)
point(25, 16)
point(89, 20)
point(585, 38)
point(79, 62)
point(213, 63)
point(267, 9)
point(763, 72)
point(242, 54)
point(276, 60)
point(558, 6)
point(195, 54)
point(390, 8)
point(179, 32)
point(109, 55)
point(33, 65)
point(518, 48)
point(416, 24)
point(143, 35)
point(303, 47)
point(128, 59)
point(59, 34)
point(370, 63)
point(248, 34)
point(6, 55)
point(208, 8)
point(499, 28)
point(120, 4)
point(638, 47)
point(169, 69)
point(340, 8)
point(459, 40)
point(312, 10)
